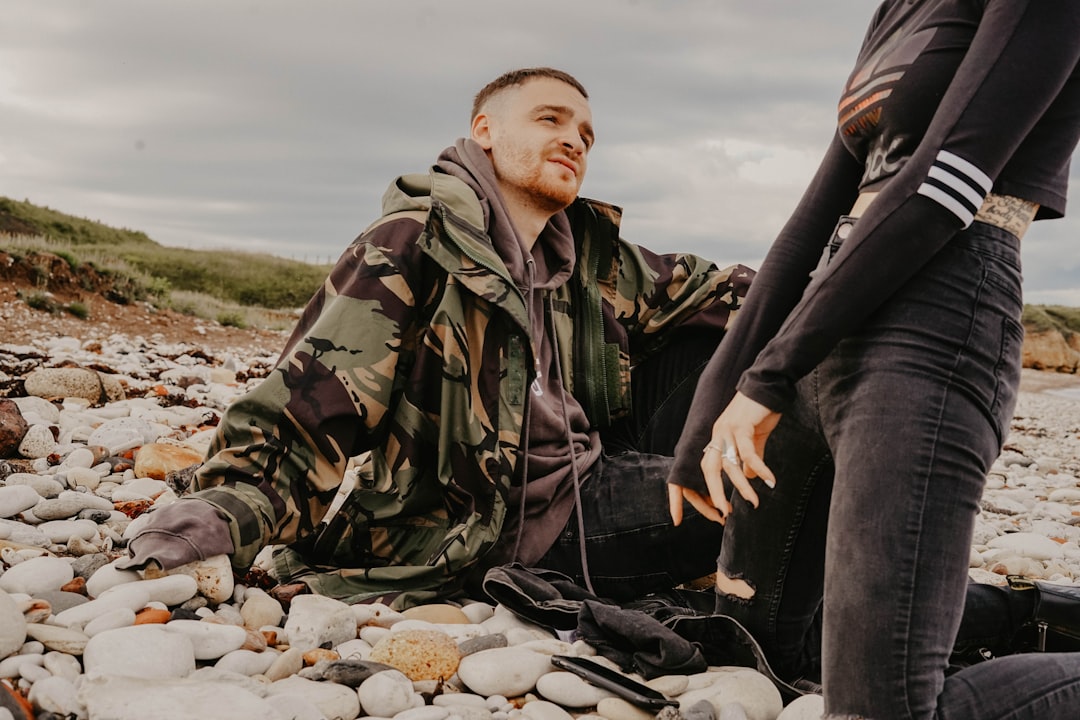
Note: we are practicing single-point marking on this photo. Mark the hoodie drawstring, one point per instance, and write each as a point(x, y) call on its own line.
point(523, 449)
point(526, 415)
point(573, 458)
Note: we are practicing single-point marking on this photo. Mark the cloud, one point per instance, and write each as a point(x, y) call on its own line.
point(275, 126)
point(727, 198)
point(766, 165)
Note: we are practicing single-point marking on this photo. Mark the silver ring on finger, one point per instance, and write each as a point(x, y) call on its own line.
point(731, 456)
point(727, 452)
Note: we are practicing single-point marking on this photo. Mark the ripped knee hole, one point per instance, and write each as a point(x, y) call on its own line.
point(735, 587)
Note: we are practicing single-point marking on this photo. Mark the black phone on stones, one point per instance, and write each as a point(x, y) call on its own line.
point(617, 683)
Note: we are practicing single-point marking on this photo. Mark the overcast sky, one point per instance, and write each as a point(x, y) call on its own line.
point(275, 126)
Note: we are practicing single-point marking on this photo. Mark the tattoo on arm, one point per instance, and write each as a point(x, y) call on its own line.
point(1010, 213)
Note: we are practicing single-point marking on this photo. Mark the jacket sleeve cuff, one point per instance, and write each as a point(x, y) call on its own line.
point(183, 532)
point(247, 526)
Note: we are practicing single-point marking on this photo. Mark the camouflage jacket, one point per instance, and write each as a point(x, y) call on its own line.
point(415, 355)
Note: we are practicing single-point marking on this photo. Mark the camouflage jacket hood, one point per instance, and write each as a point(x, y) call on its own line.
point(407, 375)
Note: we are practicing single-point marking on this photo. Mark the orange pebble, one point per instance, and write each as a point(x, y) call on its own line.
point(76, 585)
point(133, 508)
point(152, 616)
point(313, 656)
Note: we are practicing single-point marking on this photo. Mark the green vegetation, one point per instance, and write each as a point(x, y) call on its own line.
point(244, 278)
point(41, 301)
point(24, 218)
point(240, 286)
point(229, 314)
point(232, 319)
point(78, 309)
point(46, 302)
point(1041, 318)
point(236, 289)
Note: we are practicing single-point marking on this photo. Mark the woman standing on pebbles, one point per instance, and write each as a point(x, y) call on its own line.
point(879, 356)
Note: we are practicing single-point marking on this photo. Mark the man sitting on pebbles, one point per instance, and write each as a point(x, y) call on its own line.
point(503, 378)
point(503, 374)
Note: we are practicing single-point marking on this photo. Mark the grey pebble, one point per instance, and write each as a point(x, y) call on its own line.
point(351, 672)
point(60, 600)
point(86, 565)
point(701, 710)
point(483, 642)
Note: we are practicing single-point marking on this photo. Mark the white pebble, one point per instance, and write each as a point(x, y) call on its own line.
point(57, 695)
point(37, 575)
point(1029, 545)
point(569, 690)
point(544, 710)
point(424, 712)
point(148, 652)
point(387, 693)
point(209, 640)
point(807, 707)
point(12, 667)
point(14, 499)
point(505, 671)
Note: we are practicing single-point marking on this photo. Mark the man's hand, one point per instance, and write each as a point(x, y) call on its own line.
point(678, 494)
point(190, 529)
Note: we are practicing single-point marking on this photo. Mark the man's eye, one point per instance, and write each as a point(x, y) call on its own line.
point(549, 118)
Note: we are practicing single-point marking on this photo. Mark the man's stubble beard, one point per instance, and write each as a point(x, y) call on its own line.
point(545, 194)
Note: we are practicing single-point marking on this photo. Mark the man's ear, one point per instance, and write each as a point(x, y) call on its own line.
point(481, 130)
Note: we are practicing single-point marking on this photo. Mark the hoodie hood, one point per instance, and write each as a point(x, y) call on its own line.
point(416, 191)
point(463, 180)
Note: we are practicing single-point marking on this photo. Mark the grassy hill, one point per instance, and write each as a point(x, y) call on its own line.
point(220, 283)
point(200, 282)
point(1040, 318)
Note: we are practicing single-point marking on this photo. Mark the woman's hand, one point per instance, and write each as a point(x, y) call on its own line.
point(737, 447)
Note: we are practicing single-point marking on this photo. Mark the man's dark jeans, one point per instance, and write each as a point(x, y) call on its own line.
point(632, 547)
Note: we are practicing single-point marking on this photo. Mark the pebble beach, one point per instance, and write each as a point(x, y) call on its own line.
point(97, 433)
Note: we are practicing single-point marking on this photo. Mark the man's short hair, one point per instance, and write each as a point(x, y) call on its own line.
point(519, 77)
